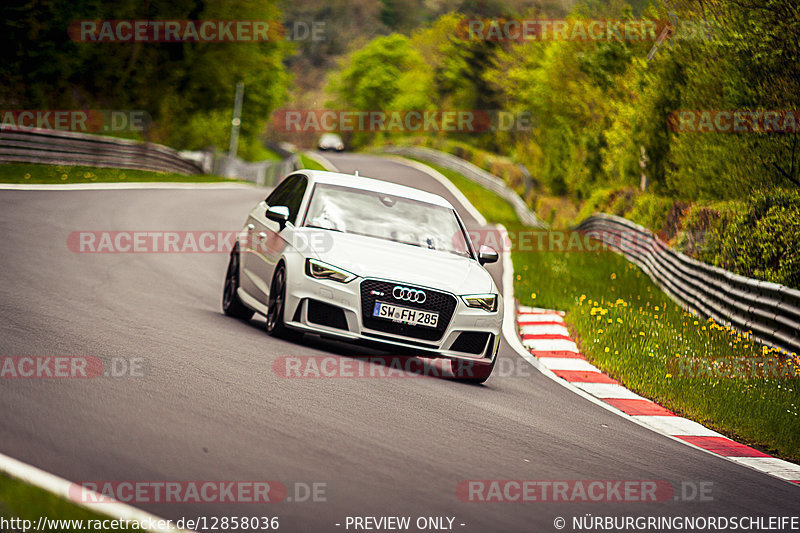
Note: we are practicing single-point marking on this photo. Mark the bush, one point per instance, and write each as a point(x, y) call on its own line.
point(757, 238)
point(557, 211)
point(612, 201)
point(703, 228)
point(763, 242)
point(651, 211)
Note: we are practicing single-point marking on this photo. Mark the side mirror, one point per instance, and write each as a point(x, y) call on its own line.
point(486, 255)
point(279, 214)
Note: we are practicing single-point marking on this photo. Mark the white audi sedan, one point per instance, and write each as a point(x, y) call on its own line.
point(367, 260)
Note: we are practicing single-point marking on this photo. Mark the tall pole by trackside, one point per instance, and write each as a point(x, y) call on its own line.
point(237, 120)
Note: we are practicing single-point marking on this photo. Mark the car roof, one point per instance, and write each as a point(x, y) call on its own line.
point(370, 184)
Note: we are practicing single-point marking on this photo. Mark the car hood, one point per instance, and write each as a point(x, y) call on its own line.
point(378, 258)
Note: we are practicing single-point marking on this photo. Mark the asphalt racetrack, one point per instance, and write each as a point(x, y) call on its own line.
point(209, 405)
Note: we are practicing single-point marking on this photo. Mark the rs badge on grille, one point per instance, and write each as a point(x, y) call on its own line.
point(376, 293)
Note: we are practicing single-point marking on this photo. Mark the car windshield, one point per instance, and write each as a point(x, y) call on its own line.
point(386, 216)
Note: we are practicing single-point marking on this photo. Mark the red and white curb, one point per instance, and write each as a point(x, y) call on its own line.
point(544, 335)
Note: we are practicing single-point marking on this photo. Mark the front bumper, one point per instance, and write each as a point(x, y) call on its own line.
point(334, 309)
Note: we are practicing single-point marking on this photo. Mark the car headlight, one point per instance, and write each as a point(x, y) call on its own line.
point(320, 270)
point(487, 302)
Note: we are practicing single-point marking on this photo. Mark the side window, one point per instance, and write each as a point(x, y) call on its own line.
point(296, 198)
point(281, 193)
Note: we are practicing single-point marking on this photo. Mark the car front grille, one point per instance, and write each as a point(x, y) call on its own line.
point(438, 301)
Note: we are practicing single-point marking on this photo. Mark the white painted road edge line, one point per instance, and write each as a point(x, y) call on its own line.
point(138, 185)
point(510, 334)
point(61, 487)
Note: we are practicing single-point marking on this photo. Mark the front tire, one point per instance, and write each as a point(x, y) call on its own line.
point(231, 304)
point(275, 309)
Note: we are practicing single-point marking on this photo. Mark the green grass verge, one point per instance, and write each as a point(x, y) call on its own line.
point(35, 173)
point(635, 333)
point(310, 164)
point(494, 208)
point(23, 501)
point(254, 150)
point(630, 329)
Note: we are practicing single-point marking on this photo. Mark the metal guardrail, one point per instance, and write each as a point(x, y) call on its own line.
point(264, 173)
point(279, 169)
point(53, 147)
point(769, 311)
point(473, 173)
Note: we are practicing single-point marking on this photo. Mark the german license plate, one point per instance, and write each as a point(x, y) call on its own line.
point(396, 313)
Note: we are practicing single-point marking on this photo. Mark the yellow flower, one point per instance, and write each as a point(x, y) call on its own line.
point(533, 295)
point(613, 276)
point(606, 349)
point(669, 375)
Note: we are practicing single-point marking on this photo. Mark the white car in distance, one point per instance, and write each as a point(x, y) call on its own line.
point(330, 141)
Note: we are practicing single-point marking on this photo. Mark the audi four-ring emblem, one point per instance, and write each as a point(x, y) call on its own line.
point(409, 295)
